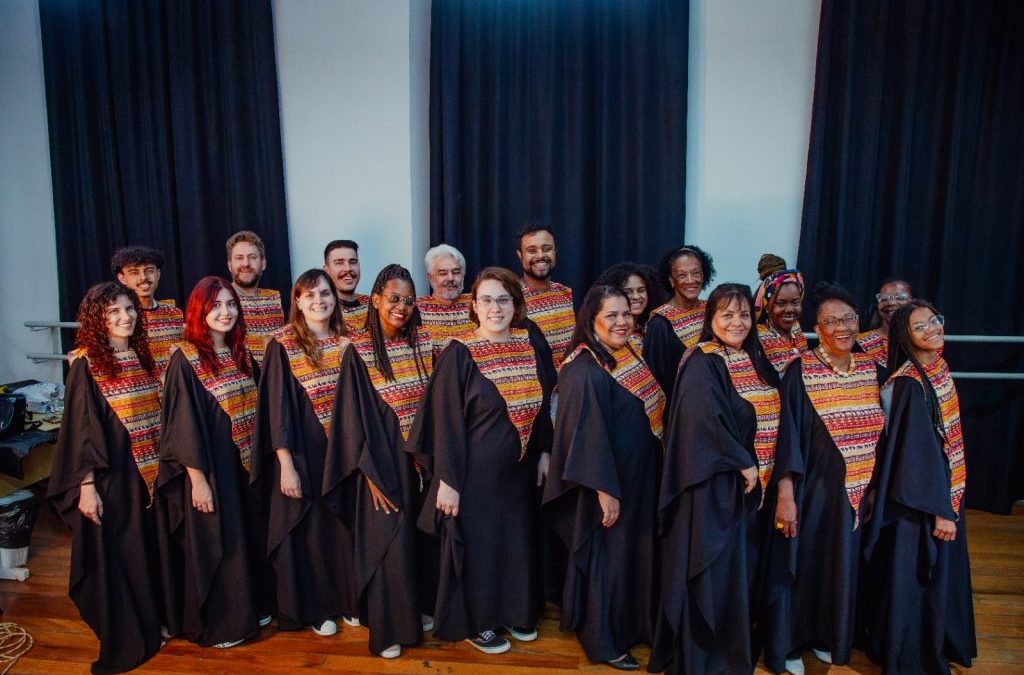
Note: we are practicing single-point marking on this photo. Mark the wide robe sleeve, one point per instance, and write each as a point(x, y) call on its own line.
point(542, 434)
point(546, 371)
point(662, 352)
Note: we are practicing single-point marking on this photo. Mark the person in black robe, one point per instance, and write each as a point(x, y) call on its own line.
point(482, 448)
point(719, 451)
point(601, 491)
point(215, 573)
point(100, 482)
point(918, 605)
point(309, 547)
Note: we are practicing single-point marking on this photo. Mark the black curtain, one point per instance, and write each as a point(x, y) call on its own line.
point(916, 169)
point(164, 131)
point(569, 110)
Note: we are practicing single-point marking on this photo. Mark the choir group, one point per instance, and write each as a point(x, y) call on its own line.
point(673, 471)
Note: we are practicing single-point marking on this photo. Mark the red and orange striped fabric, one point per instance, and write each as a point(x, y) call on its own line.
point(687, 323)
point(355, 316)
point(874, 345)
point(445, 320)
point(164, 326)
point(411, 368)
point(551, 309)
point(781, 351)
point(263, 315)
point(319, 383)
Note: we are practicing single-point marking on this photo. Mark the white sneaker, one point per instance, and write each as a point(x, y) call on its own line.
point(522, 634)
point(265, 620)
point(823, 656)
point(392, 652)
point(326, 629)
point(352, 621)
point(428, 623)
point(795, 666)
point(228, 645)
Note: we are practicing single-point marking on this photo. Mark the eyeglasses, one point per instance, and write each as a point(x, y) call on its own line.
point(892, 297)
point(935, 322)
point(834, 321)
point(395, 298)
point(501, 300)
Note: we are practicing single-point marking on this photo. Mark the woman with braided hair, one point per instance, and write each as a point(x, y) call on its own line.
point(918, 606)
point(777, 305)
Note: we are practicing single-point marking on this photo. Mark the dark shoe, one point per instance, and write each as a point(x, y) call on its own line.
point(624, 662)
point(490, 642)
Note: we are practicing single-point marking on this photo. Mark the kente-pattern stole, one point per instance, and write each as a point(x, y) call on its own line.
point(633, 375)
point(874, 345)
point(687, 323)
point(781, 351)
point(134, 396)
point(319, 383)
point(263, 315)
point(953, 433)
point(355, 316)
point(164, 326)
point(234, 391)
point(512, 367)
point(551, 309)
point(404, 393)
point(850, 408)
point(445, 320)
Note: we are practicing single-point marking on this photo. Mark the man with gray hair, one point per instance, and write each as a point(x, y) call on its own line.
point(445, 312)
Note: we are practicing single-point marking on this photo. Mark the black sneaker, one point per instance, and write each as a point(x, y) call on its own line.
point(490, 642)
point(522, 634)
point(624, 662)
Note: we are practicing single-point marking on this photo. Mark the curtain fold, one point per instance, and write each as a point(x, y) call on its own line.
point(164, 131)
point(566, 110)
point(916, 169)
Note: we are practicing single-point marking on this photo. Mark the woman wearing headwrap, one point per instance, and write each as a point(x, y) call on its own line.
point(778, 306)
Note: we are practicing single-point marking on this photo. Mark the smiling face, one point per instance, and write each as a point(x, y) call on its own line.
point(317, 303)
point(687, 277)
point(785, 308)
point(394, 304)
point(837, 327)
point(891, 297)
point(143, 279)
point(494, 307)
point(342, 267)
point(613, 322)
point(537, 254)
point(223, 316)
point(635, 289)
point(927, 334)
point(446, 277)
point(731, 323)
point(246, 265)
point(121, 318)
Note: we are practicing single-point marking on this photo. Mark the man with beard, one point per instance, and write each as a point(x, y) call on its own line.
point(341, 262)
point(548, 303)
point(445, 312)
point(261, 307)
point(138, 268)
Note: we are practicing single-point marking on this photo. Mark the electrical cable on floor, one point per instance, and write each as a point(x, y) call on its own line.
point(14, 642)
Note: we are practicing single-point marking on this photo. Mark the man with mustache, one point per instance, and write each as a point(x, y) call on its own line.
point(548, 303)
point(341, 262)
point(138, 268)
point(261, 307)
point(445, 312)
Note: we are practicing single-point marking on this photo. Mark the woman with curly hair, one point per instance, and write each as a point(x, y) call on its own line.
point(640, 284)
point(676, 325)
point(214, 569)
point(103, 476)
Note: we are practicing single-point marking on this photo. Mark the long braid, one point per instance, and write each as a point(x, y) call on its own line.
point(901, 349)
point(409, 331)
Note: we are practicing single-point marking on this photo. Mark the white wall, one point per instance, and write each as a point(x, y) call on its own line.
point(346, 70)
point(751, 80)
point(28, 258)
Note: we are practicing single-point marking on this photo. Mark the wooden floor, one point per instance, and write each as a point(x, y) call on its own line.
point(63, 644)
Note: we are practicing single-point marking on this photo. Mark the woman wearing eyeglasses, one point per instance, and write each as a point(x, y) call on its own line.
point(778, 305)
point(874, 342)
point(483, 430)
point(676, 325)
point(831, 422)
point(918, 606)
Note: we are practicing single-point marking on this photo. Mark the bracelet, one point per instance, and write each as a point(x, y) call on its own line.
point(87, 482)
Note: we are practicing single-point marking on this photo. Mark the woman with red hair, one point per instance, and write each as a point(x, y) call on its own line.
point(213, 544)
point(103, 475)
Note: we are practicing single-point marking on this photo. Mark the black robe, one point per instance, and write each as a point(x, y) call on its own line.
point(917, 597)
point(662, 352)
point(810, 580)
point(366, 442)
point(114, 578)
point(603, 441)
point(709, 529)
point(308, 545)
point(215, 575)
point(489, 568)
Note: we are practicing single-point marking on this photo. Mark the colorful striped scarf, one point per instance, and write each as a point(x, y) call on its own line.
point(355, 316)
point(445, 320)
point(134, 396)
point(687, 323)
point(512, 367)
point(780, 351)
point(952, 433)
point(234, 391)
point(263, 315)
point(633, 375)
point(764, 398)
point(404, 393)
point(551, 309)
point(319, 383)
point(874, 345)
point(164, 326)
point(850, 408)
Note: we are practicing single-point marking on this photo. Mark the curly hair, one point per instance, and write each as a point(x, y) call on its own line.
point(135, 255)
point(583, 333)
point(93, 334)
point(200, 304)
point(409, 332)
point(510, 282)
point(707, 265)
point(618, 275)
point(297, 320)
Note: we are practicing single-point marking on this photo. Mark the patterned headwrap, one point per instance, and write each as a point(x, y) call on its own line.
point(771, 285)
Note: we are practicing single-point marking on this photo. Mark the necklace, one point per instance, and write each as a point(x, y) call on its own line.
point(828, 362)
